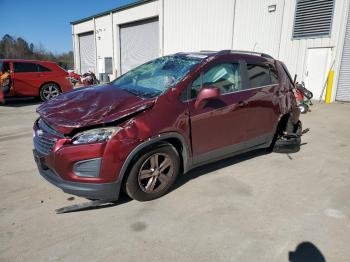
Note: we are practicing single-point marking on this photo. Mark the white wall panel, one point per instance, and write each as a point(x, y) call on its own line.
point(136, 13)
point(104, 41)
point(83, 27)
point(194, 25)
point(256, 28)
point(293, 51)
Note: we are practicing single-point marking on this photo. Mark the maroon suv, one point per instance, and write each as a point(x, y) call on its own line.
point(161, 119)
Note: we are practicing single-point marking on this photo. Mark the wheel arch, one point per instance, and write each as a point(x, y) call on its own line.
point(49, 82)
point(173, 138)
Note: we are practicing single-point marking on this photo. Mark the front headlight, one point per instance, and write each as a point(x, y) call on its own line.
point(95, 135)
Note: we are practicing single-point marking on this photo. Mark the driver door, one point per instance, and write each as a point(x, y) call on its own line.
point(219, 125)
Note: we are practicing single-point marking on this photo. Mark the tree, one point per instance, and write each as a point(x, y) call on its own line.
point(18, 48)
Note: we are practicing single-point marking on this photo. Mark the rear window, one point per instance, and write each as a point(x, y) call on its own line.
point(258, 75)
point(261, 75)
point(24, 67)
point(43, 68)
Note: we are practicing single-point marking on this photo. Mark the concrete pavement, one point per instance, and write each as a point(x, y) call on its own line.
point(256, 207)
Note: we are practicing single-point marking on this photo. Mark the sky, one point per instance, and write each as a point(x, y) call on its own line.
point(47, 22)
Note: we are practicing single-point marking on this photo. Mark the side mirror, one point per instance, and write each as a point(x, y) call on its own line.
point(205, 94)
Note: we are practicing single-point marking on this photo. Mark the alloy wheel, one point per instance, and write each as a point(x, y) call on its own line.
point(156, 173)
point(49, 91)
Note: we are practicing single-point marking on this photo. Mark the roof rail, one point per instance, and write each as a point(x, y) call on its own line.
point(245, 52)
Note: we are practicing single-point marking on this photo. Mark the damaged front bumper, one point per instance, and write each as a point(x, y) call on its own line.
point(101, 191)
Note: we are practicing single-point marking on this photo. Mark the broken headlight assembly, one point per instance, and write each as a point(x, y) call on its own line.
point(98, 135)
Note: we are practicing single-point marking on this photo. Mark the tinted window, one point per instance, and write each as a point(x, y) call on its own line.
point(43, 68)
point(258, 75)
point(4, 66)
point(25, 67)
point(226, 77)
point(274, 76)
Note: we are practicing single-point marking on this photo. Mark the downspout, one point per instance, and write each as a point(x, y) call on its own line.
point(74, 53)
point(96, 60)
point(113, 53)
point(233, 23)
point(279, 46)
point(163, 30)
point(161, 33)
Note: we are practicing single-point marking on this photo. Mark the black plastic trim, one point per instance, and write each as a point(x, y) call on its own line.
point(162, 137)
point(263, 141)
point(105, 191)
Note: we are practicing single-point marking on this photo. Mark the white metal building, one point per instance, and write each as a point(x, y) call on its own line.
point(310, 36)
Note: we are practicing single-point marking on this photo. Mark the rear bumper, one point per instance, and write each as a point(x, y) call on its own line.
point(103, 191)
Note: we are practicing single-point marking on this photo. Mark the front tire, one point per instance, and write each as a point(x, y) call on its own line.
point(49, 91)
point(153, 173)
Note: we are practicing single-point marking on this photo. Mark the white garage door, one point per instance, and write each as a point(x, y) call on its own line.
point(343, 91)
point(87, 52)
point(138, 43)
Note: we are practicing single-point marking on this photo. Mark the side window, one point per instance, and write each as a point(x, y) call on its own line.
point(196, 86)
point(20, 67)
point(5, 67)
point(43, 68)
point(274, 76)
point(258, 75)
point(226, 77)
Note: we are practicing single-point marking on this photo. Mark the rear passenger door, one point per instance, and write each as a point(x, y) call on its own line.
point(26, 78)
point(261, 96)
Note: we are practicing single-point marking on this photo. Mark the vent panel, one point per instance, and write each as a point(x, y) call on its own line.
point(313, 18)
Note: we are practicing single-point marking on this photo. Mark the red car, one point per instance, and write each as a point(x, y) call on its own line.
point(36, 78)
point(164, 118)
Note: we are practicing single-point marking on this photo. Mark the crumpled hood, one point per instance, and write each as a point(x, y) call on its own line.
point(90, 106)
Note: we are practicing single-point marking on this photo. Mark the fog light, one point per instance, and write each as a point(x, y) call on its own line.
point(87, 168)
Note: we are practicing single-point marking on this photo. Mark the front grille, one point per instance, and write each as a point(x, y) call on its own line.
point(48, 129)
point(43, 145)
point(45, 138)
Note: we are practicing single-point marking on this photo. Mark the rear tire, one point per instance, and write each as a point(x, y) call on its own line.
point(49, 91)
point(153, 173)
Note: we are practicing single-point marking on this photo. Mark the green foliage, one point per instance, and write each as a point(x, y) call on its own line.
point(18, 48)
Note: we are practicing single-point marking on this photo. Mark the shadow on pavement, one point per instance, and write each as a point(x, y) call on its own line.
point(93, 205)
point(183, 179)
point(306, 252)
point(205, 169)
point(20, 102)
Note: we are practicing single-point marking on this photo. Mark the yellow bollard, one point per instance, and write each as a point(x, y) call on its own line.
point(329, 86)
